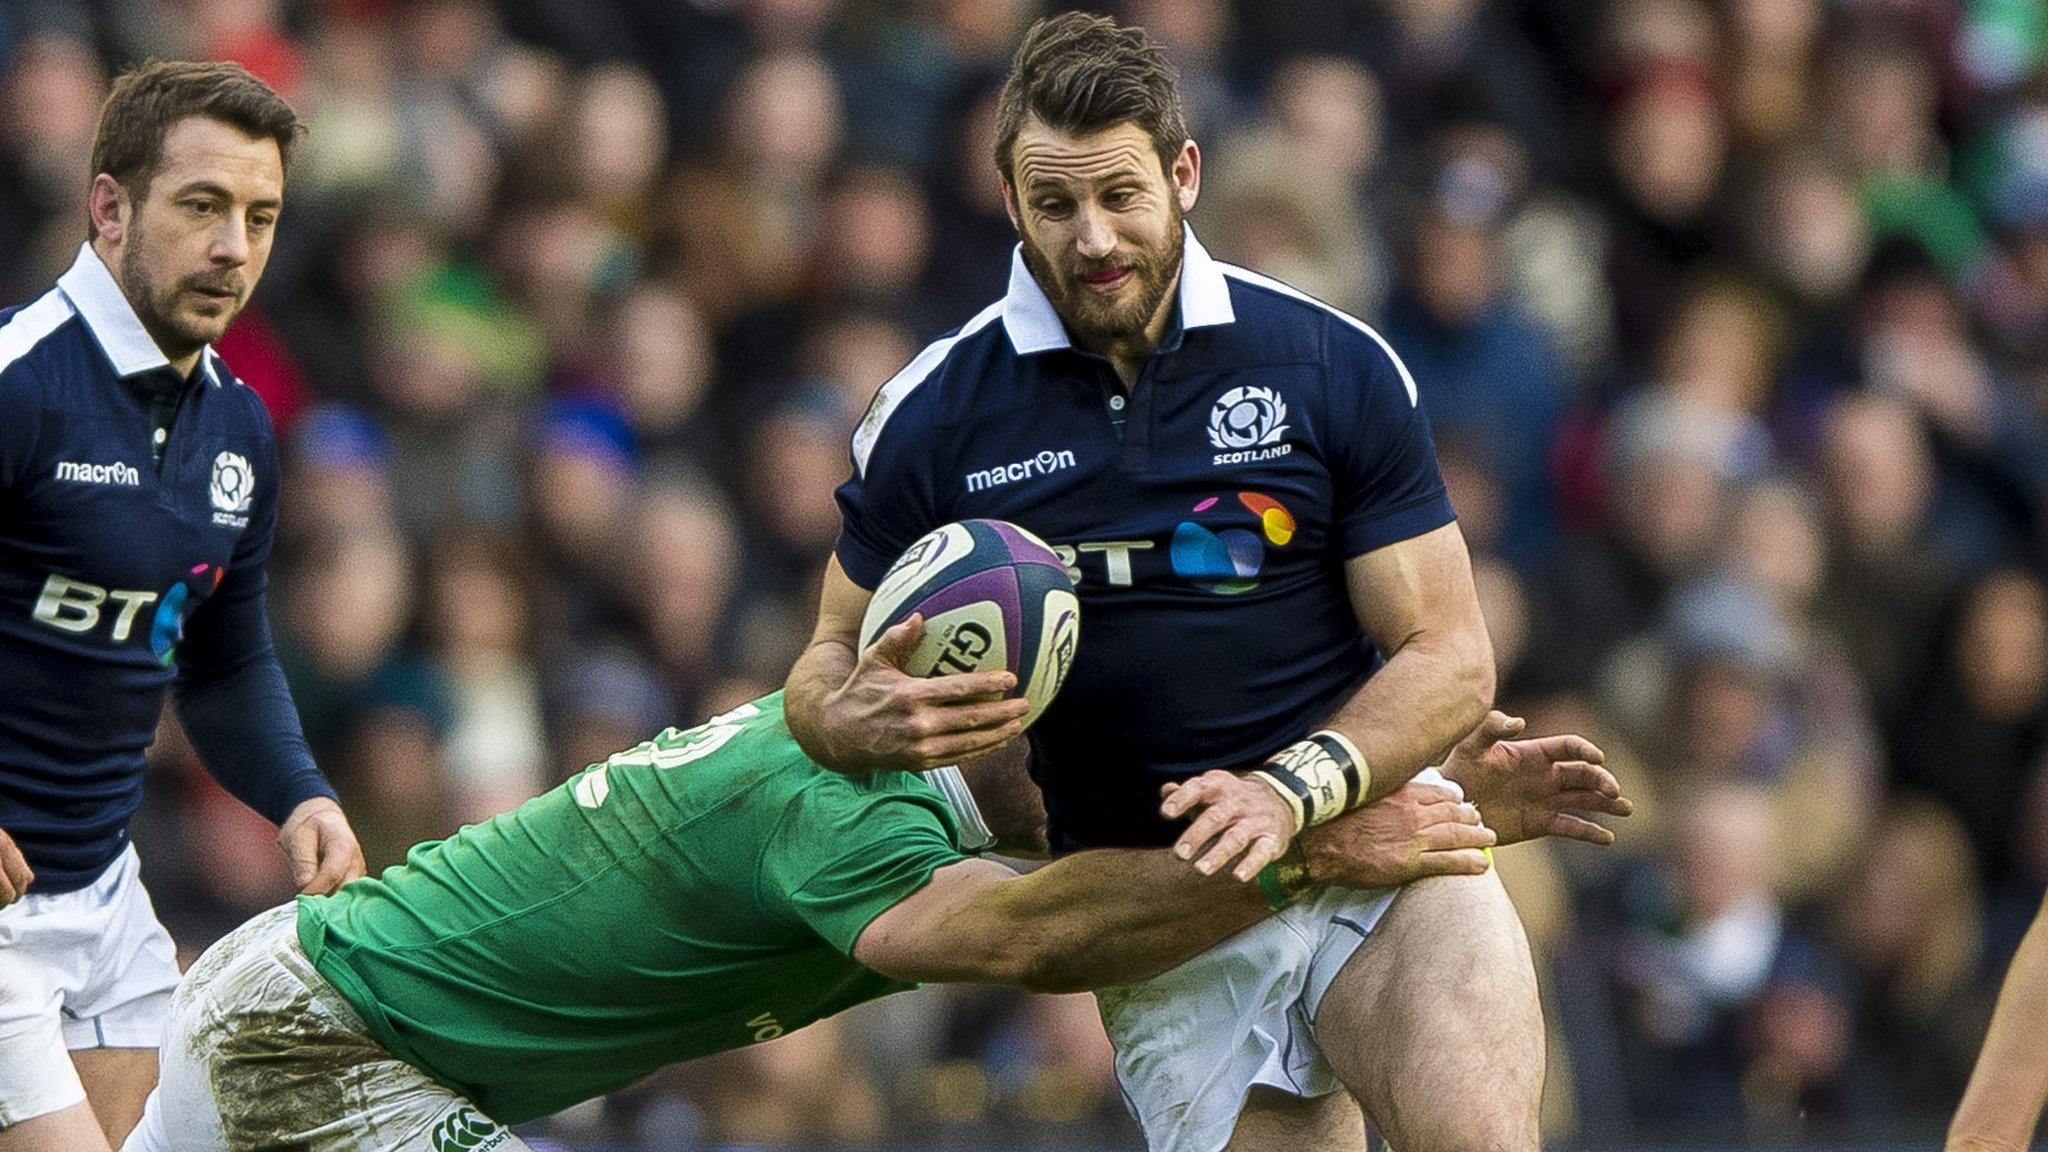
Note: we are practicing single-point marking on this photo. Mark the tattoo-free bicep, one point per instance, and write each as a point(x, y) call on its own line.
point(1421, 585)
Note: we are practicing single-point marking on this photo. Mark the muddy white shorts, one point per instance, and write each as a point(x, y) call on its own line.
point(1193, 1041)
point(84, 969)
point(262, 1053)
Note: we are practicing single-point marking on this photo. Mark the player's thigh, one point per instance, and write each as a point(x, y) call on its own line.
point(1433, 1022)
point(295, 1082)
point(262, 1054)
point(114, 1018)
point(117, 1082)
point(39, 1089)
point(71, 1129)
point(1274, 1121)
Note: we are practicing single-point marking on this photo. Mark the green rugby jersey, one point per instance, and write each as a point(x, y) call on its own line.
point(697, 893)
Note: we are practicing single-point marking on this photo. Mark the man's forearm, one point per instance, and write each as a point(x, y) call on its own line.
point(237, 710)
point(247, 733)
point(2003, 1102)
point(822, 668)
point(1409, 713)
point(1111, 916)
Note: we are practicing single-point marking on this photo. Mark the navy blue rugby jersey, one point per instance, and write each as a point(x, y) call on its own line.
point(1206, 518)
point(125, 572)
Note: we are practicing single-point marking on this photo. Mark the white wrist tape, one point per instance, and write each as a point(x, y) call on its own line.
point(1321, 778)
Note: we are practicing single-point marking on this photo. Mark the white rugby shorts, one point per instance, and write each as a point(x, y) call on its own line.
point(1193, 1041)
point(84, 969)
point(262, 1052)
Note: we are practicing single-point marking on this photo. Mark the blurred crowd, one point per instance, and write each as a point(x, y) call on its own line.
point(1731, 318)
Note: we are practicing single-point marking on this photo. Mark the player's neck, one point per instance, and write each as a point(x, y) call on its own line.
point(183, 360)
point(1127, 354)
point(185, 365)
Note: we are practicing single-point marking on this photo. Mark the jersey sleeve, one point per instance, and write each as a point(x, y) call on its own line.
point(888, 502)
point(1388, 488)
point(18, 395)
point(849, 850)
point(217, 634)
point(231, 692)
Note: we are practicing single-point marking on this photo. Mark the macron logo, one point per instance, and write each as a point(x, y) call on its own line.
point(1042, 464)
point(123, 475)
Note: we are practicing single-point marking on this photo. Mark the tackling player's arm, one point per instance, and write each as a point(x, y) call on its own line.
point(1111, 916)
point(1521, 789)
point(1541, 786)
point(2003, 1102)
point(856, 713)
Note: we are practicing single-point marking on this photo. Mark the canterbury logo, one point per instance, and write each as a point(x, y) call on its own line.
point(467, 1130)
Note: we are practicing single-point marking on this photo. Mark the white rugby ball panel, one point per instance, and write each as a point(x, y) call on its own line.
point(1059, 636)
point(970, 638)
point(920, 563)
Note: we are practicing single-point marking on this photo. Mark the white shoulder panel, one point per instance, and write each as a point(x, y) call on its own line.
point(901, 385)
point(30, 326)
point(1251, 277)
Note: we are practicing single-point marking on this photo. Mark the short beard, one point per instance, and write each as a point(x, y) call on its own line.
point(1096, 322)
point(153, 308)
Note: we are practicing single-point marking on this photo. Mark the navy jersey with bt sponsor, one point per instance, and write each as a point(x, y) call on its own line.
point(125, 570)
point(1206, 518)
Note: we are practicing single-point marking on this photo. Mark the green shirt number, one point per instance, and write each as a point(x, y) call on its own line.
point(671, 749)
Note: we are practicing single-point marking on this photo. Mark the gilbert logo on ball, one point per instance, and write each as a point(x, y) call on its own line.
point(993, 596)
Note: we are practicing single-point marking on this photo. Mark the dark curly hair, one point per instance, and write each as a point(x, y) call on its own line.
point(1081, 73)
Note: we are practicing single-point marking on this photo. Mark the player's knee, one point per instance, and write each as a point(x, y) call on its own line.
point(1490, 1123)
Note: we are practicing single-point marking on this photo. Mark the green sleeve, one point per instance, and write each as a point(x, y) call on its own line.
point(846, 851)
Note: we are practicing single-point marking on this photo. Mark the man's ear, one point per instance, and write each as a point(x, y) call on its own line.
point(1010, 205)
point(1187, 176)
point(109, 206)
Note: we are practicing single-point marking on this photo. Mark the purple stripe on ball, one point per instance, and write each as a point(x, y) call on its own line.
point(1022, 547)
point(996, 584)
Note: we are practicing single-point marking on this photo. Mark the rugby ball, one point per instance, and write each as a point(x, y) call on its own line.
point(993, 596)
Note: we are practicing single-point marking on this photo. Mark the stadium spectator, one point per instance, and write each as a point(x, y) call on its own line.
point(582, 297)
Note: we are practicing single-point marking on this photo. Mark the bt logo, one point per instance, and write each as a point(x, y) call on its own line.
point(1227, 560)
point(1116, 558)
point(77, 606)
point(1223, 553)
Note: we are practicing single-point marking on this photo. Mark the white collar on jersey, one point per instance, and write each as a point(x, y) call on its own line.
point(92, 290)
point(1034, 327)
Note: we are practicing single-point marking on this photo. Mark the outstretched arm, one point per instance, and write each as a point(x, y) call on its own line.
point(1111, 916)
point(2003, 1102)
point(1527, 789)
point(1088, 920)
point(1523, 789)
point(231, 695)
